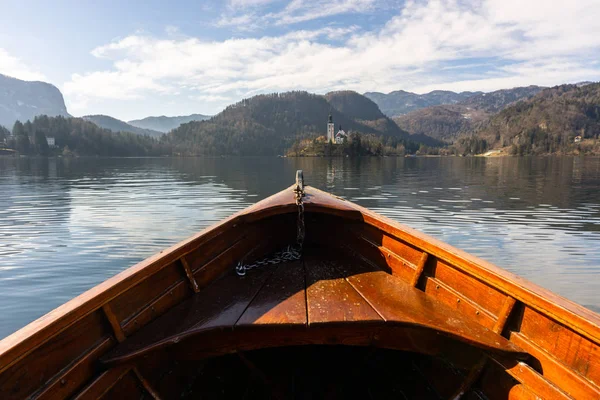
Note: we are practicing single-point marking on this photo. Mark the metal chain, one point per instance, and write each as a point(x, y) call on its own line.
point(291, 252)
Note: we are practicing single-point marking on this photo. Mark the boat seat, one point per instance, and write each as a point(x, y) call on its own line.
point(323, 299)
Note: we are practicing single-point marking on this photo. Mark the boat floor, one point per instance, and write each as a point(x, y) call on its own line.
point(309, 372)
point(329, 297)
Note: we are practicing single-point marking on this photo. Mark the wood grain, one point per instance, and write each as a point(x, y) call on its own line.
point(281, 300)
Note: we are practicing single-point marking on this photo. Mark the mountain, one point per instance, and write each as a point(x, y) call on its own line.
point(165, 124)
point(116, 125)
point(354, 105)
point(23, 100)
point(495, 101)
point(401, 102)
point(270, 124)
point(446, 122)
point(546, 123)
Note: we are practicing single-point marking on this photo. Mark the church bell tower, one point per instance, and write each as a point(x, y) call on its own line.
point(330, 130)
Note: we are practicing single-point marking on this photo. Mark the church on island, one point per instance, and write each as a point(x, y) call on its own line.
point(336, 138)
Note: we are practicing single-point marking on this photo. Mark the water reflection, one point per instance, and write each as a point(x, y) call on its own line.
point(66, 225)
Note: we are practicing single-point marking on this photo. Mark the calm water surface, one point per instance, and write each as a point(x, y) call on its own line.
point(67, 225)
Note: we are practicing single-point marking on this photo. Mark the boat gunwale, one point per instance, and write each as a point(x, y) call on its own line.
point(574, 316)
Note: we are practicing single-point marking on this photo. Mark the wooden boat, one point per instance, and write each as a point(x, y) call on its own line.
point(371, 309)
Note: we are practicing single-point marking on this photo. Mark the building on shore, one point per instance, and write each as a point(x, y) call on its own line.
point(340, 136)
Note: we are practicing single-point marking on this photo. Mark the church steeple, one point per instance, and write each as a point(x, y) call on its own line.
point(330, 129)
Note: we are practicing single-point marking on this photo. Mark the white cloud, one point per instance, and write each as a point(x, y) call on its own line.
point(244, 22)
point(501, 43)
point(14, 67)
point(248, 3)
point(295, 12)
point(302, 10)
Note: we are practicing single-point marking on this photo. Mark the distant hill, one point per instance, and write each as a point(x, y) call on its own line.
point(23, 100)
point(401, 102)
point(270, 124)
point(495, 101)
point(165, 124)
point(547, 122)
point(116, 125)
point(354, 105)
point(446, 122)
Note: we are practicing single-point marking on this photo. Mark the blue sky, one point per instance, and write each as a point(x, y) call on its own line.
point(131, 59)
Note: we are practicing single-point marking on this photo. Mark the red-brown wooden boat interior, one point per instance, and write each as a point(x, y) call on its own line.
point(372, 308)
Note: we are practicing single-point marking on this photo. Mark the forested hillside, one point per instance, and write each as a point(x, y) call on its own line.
point(447, 122)
point(354, 105)
point(270, 124)
point(548, 122)
point(401, 102)
point(493, 102)
point(75, 136)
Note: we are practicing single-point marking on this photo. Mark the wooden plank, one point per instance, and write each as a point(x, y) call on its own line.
point(382, 239)
point(75, 376)
point(101, 385)
point(189, 274)
point(227, 260)
point(35, 370)
point(531, 379)
point(507, 307)
point(330, 298)
point(458, 302)
point(282, 299)
point(168, 299)
point(219, 306)
point(379, 256)
point(575, 351)
point(114, 323)
point(419, 270)
point(400, 304)
point(132, 302)
point(556, 372)
point(477, 291)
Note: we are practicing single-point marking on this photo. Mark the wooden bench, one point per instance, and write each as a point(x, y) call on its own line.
point(323, 299)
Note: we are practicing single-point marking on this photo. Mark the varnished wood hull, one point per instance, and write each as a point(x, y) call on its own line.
point(128, 335)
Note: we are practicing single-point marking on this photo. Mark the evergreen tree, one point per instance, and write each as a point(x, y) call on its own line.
point(4, 134)
point(22, 144)
point(41, 144)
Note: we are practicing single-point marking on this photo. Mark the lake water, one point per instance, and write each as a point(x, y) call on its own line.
point(67, 225)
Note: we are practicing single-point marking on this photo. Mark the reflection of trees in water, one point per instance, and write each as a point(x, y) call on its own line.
point(564, 182)
point(32, 185)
